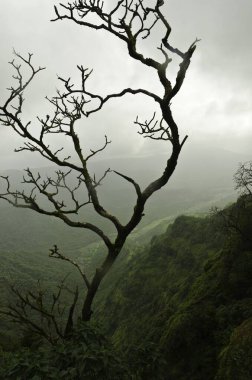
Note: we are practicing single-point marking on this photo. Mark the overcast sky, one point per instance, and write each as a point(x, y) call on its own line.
point(214, 107)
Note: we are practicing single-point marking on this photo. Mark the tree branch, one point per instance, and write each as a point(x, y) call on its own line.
point(129, 21)
point(57, 255)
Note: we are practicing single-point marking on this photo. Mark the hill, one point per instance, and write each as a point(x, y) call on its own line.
point(182, 308)
point(176, 305)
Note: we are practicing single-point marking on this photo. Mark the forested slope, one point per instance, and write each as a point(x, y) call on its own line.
point(183, 308)
point(177, 308)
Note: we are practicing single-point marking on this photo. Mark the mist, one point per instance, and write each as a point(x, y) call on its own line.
point(213, 107)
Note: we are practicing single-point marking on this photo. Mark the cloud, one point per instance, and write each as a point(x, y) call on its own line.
point(214, 101)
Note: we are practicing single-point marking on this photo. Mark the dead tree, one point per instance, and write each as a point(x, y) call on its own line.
point(235, 218)
point(42, 313)
point(243, 178)
point(129, 21)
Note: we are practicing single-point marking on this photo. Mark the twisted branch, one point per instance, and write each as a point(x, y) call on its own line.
point(33, 309)
point(128, 20)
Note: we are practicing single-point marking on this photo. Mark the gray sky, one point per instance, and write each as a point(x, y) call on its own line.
point(214, 107)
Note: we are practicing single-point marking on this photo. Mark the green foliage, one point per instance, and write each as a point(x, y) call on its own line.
point(178, 308)
point(87, 355)
point(179, 299)
point(236, 358)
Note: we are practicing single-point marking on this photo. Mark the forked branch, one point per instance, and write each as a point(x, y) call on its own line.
point(46, 316)
point(130, 21)
point(154, 129)
point(55, 253)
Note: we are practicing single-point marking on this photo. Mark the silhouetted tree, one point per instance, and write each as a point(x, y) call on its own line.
point(243, 178)
point(235, 219)
point(129, 21)
point(42, 313)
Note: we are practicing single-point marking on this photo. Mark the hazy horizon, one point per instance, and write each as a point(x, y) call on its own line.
point(213, 106)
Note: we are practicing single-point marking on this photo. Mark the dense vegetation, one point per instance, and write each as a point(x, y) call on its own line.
point(177, 308)
point(186, 303)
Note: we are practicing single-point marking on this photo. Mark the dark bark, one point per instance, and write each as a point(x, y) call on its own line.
point(134, 22)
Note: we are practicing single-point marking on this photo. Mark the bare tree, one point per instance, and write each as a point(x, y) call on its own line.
point(234, 219)
point(42, 313)
point(243, 178)
point(129, 21)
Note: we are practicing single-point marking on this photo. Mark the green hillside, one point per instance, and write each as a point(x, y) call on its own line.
point(183, 308)
point(178, 307)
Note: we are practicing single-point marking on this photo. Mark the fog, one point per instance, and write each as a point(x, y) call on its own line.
point(213, 106)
